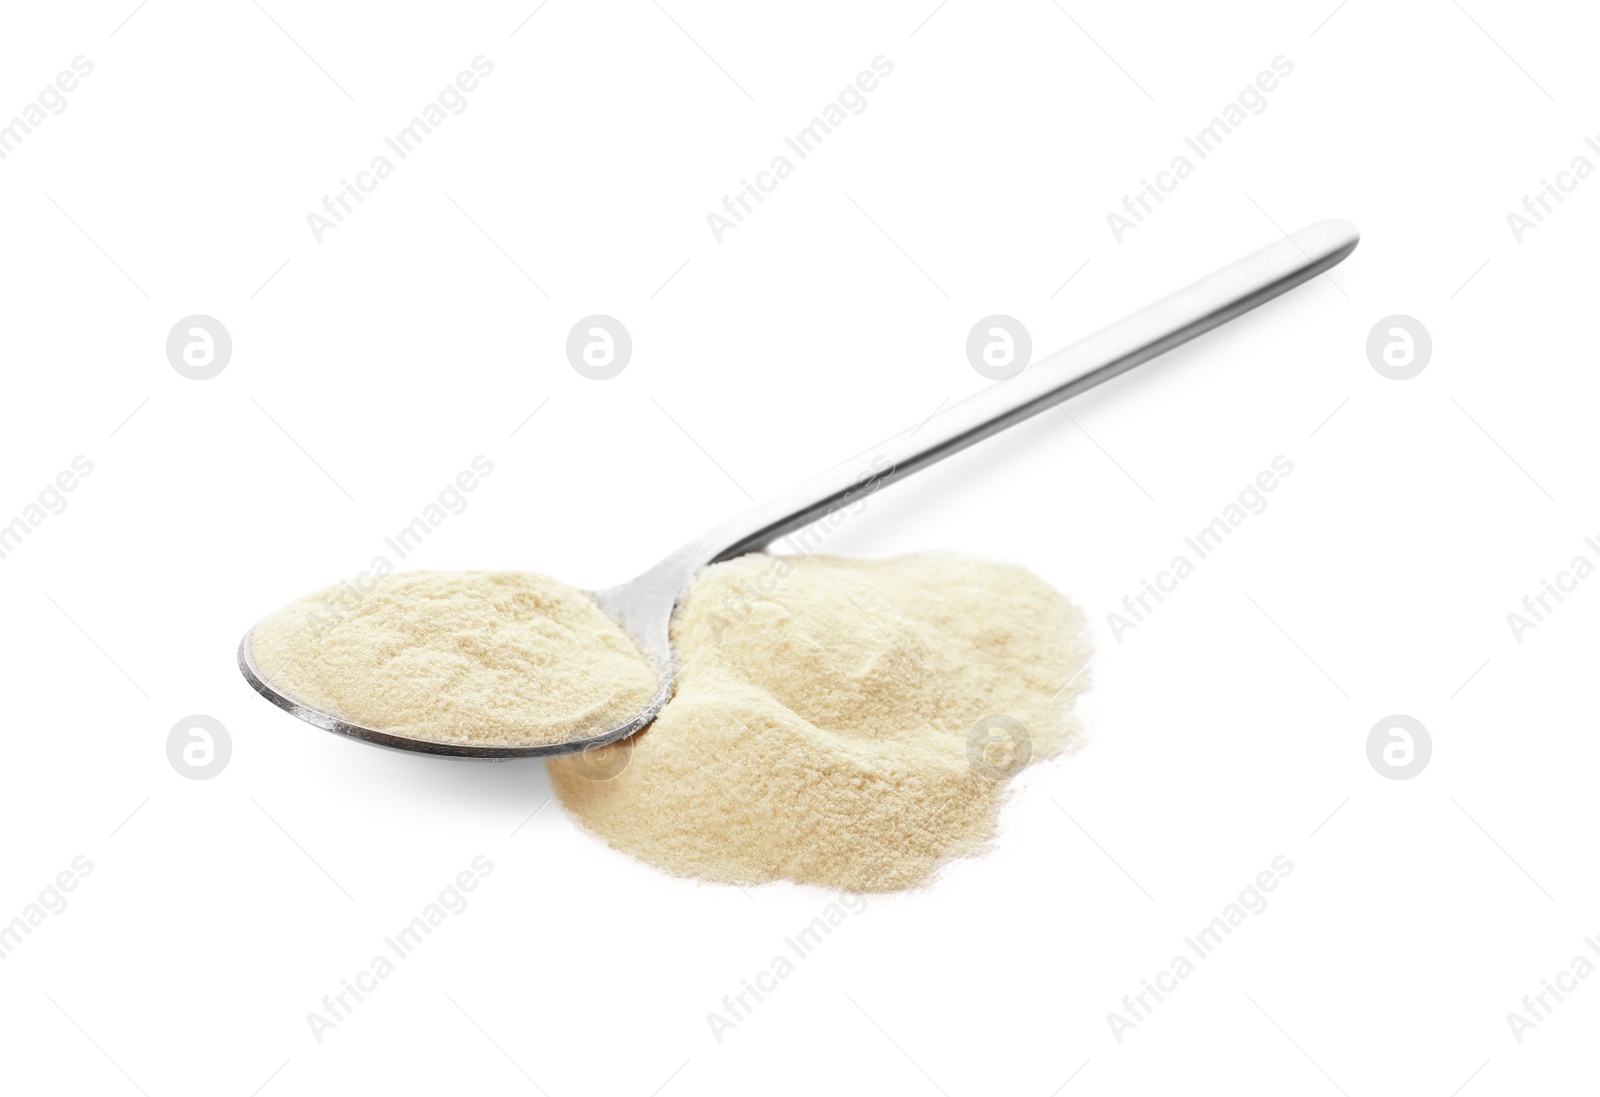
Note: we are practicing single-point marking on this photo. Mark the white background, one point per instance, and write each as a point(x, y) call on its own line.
point(370, 368)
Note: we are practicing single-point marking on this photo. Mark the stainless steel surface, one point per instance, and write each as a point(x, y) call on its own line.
point(644, 605)
point(1197, 308)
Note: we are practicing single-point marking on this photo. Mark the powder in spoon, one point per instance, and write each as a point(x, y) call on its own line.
point(838, 722)
point(469, 658)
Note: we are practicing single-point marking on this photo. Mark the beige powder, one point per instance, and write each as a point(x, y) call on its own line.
point(823, 724)
point(820, 727)
point(468, 658)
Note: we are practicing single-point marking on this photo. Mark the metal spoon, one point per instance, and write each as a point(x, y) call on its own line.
point(644, 605)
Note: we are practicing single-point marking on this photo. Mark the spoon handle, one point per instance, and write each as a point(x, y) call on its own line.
point(1153, 330)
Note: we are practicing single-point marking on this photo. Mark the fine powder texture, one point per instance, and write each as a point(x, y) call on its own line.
point(468, 658)
point(845, 723)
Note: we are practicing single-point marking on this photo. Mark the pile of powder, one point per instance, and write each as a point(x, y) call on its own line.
point(468, 658)
point(835, 721)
